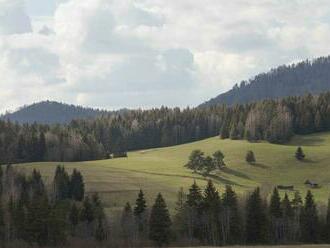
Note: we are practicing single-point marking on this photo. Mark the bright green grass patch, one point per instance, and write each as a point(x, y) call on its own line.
point(162, 169)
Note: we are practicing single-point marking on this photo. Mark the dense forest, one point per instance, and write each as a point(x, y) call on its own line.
point(291, 80)
point(112, 135)
point(59, 212)
point(50, 112)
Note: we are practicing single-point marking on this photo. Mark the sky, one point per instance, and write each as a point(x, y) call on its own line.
point(112, 54)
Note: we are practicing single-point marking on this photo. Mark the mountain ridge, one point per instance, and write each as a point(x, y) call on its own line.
point(286, 80)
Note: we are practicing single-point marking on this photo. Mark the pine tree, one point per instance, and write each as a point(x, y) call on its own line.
point(299, 154)
point(101, 231)
point(57, 225)
point(194, 211)
point(256, 219)
point(309, 220)
point(327, 224)
point(140, 213)
point(87, 213)
point(275, 212)
point(61, 184)
point(160, 222)
point(250, 158)
point(77, 186)
point(42, 147)
point(211, 213)
point(232, 220)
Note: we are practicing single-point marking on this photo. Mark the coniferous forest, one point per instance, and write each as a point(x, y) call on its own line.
point(59, 212)
point(113, 135)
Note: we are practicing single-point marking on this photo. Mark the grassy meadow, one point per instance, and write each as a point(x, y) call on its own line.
point(162, 169)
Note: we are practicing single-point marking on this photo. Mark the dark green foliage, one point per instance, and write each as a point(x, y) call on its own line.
point(87, 213)
point(275, 209)
point(218, 160)
point(2, 223)
point(276, 217)
point(74, 218)
point(77, 186)
point(211, 215)
point(100, 232)
point(57, 225)
point(196, 160)
point(256, 219)
point(309, 220)
point(233, 223)
point(140, 213)
point(250, 158)
point(326, 231)
point(62, 185)
point(299, 154)
point(160, 222)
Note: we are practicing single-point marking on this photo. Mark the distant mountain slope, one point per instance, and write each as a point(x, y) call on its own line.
point(293, 80)
point(49, 112)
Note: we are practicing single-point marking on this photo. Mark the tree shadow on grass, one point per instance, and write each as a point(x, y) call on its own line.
point(260, 165)
point(223, 180)
point(235, 173)
point(308, 161)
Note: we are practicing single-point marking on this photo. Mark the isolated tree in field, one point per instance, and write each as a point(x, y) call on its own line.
point(256, 219)
point(140, 213)
point(160, 222)
point(299, 154)
point(77, 186)
point(232, 222)
point(309, 220)
point(196, 160)
point(218, 160)
point(250, 158)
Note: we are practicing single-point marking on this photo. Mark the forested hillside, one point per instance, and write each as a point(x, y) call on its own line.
point(49, 112)
point(292, 80)
point(89, 139)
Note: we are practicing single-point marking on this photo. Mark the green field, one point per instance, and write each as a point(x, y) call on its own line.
point(162, 170)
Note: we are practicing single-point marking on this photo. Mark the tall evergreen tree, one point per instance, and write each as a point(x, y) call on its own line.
point(232, 221)
point(276, 214)
point(160, 222)
point(256, 219)
point(77, 186)
point(309, 220)
point(74, 218)
point(2, 223)
point(61, 184)
point(127, 225)
point(140, 213)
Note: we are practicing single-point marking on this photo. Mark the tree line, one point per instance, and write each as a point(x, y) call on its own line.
point(34, 213)
point(113, 135)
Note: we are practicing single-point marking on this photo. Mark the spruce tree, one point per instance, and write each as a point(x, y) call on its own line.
point(232, 224)
point(2, 224)
point(101, 230)
point(256, 219)
point(160, 222)
point(61, 184)
point(77, 186)
point(140, 213)
point(309, 220)
point(327, 225)
point(299, 154)
point(211, 215)
point(87, 213)
point(275, 212)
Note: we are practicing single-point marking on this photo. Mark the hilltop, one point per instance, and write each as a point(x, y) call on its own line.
point(286, 80)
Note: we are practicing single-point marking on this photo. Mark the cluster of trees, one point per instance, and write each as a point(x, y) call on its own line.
point(206, 217)
point(286, 80)
point(35, 214)
point(199, 163)
point(98, 138)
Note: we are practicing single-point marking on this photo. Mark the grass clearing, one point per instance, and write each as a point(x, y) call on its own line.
point(162, 169)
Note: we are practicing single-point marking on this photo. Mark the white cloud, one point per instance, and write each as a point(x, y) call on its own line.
point(143, 53)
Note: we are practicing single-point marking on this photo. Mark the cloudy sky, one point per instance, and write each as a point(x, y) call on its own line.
point(147, 53)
